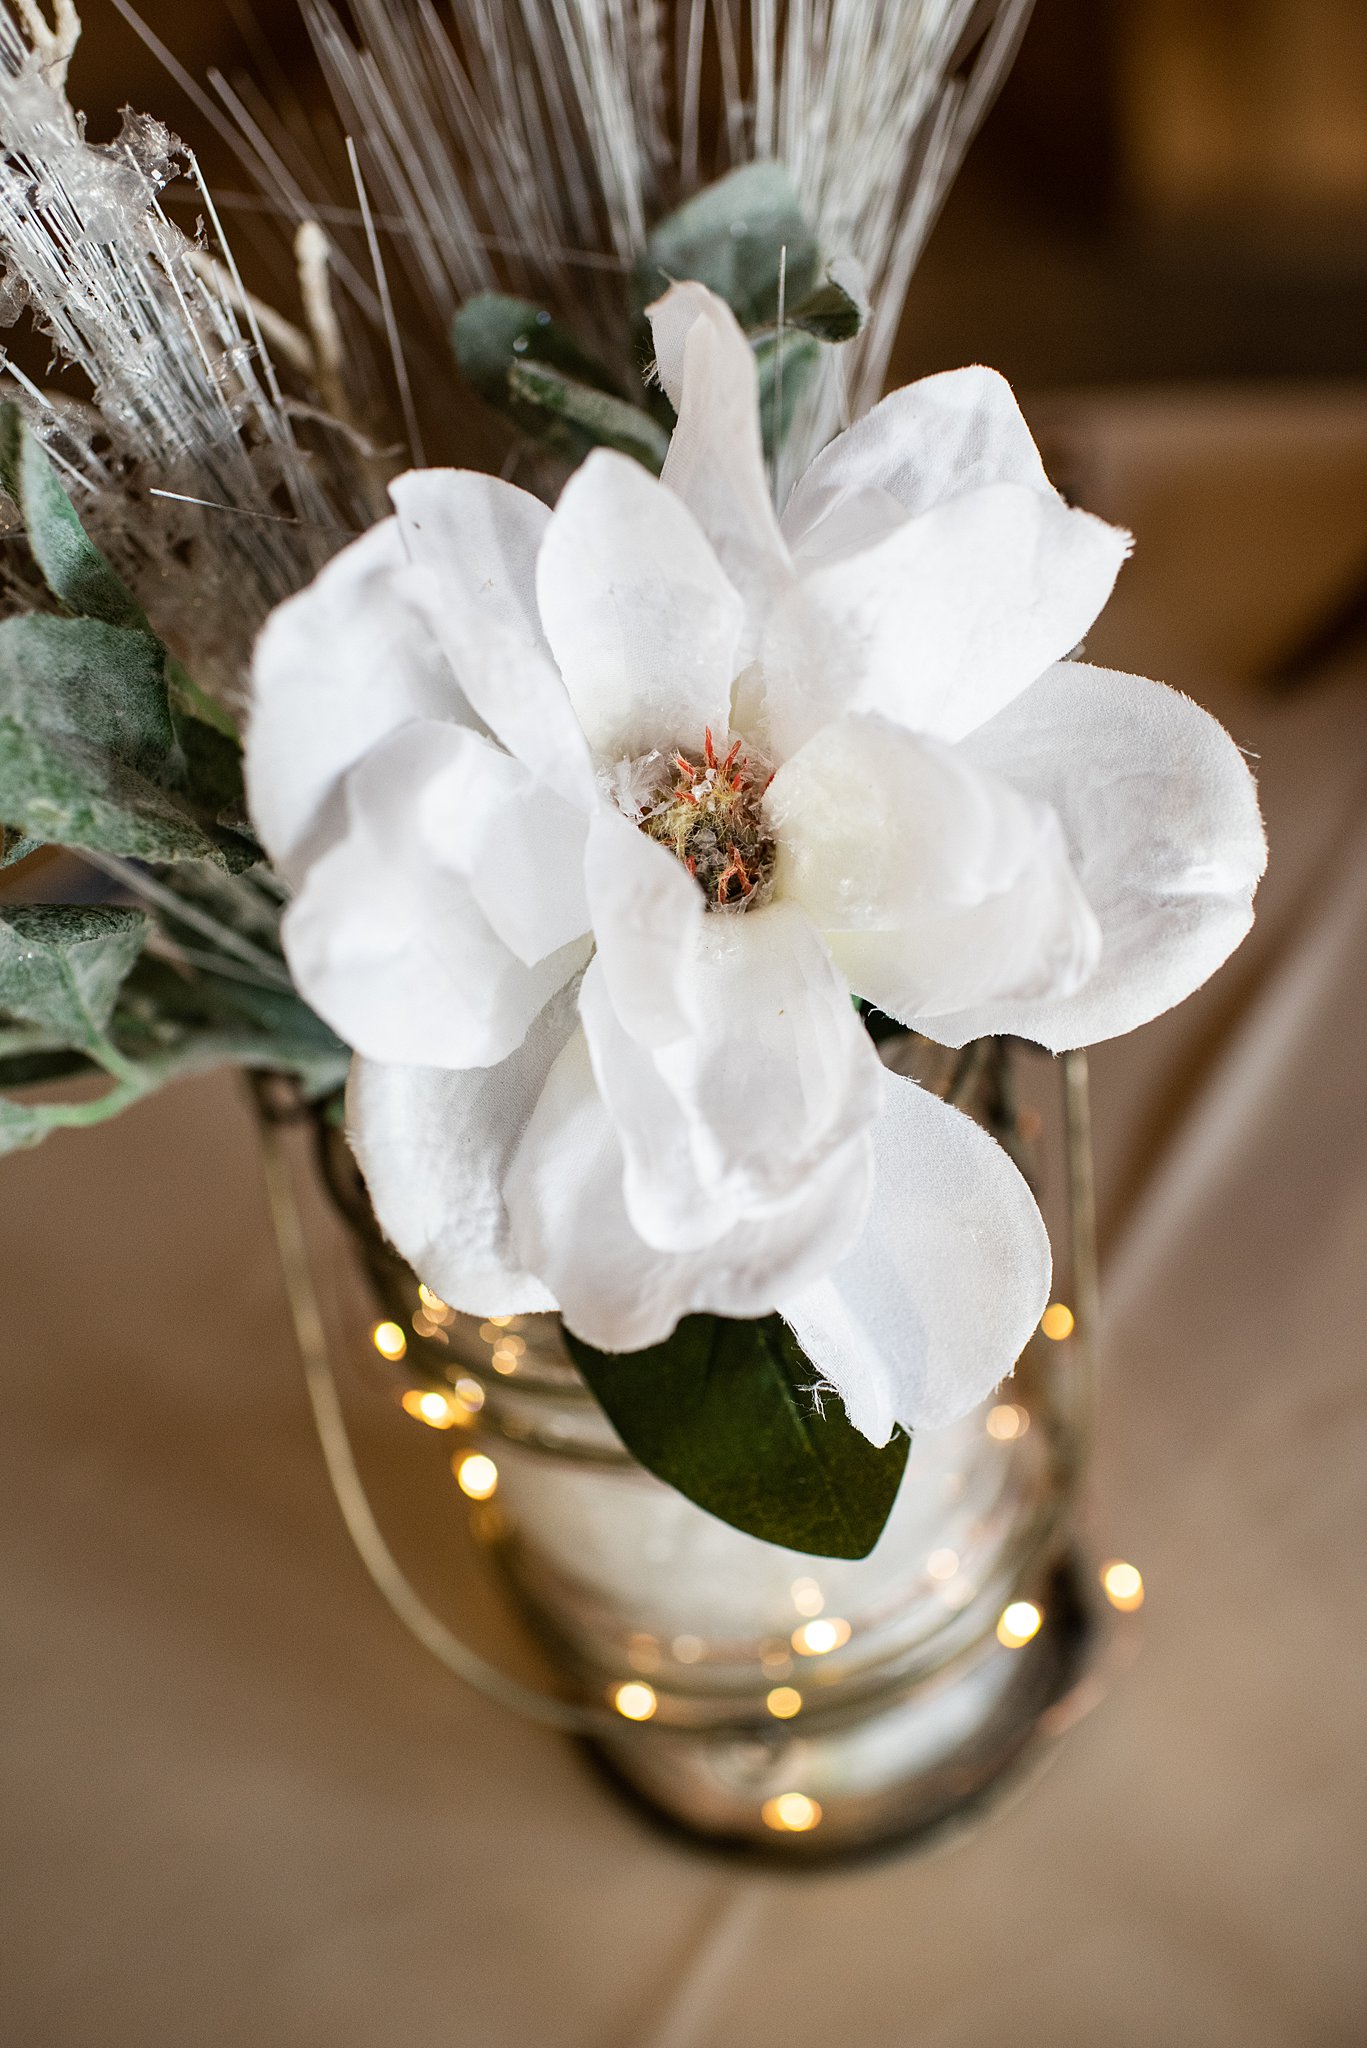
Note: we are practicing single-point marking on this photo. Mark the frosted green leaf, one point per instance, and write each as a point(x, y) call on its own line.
point(732, 237)
point(87, 742)
point(575, 418)
point(838, 308)
point(73, 567)
point(493, 331)
point(62, 966)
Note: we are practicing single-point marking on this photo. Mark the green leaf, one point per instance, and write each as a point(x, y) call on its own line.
point(777, 408)
point(492, 332)
point(724, 1412)
point(73, 567)
point(100, 683)
point(23, 1124)
point(62, 966)
point(839, 308)
point(576, 419)
point(533, 369)
point(168, 1025)
point(732, 237)
point(87, 744)
point(15, 846)
point(75, 570)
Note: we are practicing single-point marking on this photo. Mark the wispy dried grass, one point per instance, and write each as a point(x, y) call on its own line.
point(528, 144)
point(186, 402)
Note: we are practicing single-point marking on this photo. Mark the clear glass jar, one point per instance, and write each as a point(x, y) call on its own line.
point(759, 1696)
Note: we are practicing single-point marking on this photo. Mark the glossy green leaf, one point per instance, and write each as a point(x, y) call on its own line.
point(62, 966)
point(735, 237)
point(725, 1412)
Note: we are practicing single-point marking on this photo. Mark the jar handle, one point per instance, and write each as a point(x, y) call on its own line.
point(310, 1335)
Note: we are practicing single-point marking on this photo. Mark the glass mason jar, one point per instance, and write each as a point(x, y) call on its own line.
point(759, 1696)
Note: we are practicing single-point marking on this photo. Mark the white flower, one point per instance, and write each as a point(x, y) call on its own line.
point(491, 740)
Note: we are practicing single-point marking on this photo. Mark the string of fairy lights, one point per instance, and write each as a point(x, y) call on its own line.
point(816, 1633)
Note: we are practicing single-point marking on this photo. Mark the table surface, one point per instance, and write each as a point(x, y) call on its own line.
point(241, 1805)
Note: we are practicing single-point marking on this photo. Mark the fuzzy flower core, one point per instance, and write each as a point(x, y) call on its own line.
point(708, 814)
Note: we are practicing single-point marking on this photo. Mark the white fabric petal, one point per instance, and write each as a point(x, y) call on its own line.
point(1161, 817)
point(943, 622)
point(388, 938)
point(935, 883)
point(563, 1192)
point(336, 669)
point(477, 538)
point(518, 845)
point(434, 1145)
point(778, 1075)
point(945, 1284)
point(642, 622)
point(930, 441)
point(716, 453)
point(647, 912)
point(480, 536)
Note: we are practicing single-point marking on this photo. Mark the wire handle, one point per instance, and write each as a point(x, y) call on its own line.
point(321, 1381)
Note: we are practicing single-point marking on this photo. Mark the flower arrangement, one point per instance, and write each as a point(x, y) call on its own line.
point(584, 828)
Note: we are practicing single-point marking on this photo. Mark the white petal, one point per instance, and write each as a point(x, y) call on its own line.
point(930, 441)
point(519, 846)
point(1161, 818)
point(434, 1146)
point(646, 911)
point(478, 538)
point(716, 454)
point(641, 620)
point(934, 883)
point(723, 1124)
point(387, 937)
point(564, 1197)
point(944, 1286)
point(944, 621)
point(336, 669)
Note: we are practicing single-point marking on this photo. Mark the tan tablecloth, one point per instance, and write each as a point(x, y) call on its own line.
point(241, 1806)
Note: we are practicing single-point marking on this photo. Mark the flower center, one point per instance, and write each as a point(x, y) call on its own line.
point(707, 812)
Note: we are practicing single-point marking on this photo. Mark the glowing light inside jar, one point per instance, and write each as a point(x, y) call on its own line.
point(1019, 1624)
point(791, 1813)
point(428, 1406)
point(1122, 1585)
point(819, 1638)
point(635, 1701)
point(476, 1475)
